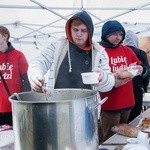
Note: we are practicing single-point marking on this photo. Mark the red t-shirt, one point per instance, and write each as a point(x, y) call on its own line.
point(123, 96)
point(13, 65)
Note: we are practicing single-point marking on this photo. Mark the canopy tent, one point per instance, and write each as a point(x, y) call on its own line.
point(33, 23)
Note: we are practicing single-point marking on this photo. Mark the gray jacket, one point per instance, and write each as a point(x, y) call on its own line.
point(52, 57)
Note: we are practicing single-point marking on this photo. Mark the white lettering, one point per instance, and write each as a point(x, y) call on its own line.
point(119, 62)
point(7, 76)
point(3, 66)
point(7, 70)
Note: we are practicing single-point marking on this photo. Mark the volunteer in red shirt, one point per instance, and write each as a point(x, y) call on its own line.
point(120, 101)
point(13, 79)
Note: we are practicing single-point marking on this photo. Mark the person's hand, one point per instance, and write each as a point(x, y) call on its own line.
point(135, 69)
point(140, 69)
point(37, 82)
point(101, 76)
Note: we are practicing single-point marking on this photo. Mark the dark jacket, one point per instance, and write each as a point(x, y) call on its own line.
point(131, 41)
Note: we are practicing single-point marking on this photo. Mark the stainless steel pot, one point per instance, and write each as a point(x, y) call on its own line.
point(61, 119)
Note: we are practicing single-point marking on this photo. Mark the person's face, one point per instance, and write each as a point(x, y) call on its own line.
point(79, 35)
point(2, 42)
point(2, 38)
point(115, 38)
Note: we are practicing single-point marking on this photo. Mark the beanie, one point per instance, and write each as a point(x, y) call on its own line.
point(111, 27)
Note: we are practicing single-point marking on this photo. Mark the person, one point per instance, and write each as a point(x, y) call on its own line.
point(117, 108)
point(66, 58)
point(140, 83)
point(13, 71)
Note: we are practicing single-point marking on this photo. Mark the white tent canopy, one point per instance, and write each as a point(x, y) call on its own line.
point(32, 23)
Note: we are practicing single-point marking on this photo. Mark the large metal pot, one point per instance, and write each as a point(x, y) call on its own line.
point(61, 119)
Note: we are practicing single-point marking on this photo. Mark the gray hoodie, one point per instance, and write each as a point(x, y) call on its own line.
point(131, 39)
point(51, 59)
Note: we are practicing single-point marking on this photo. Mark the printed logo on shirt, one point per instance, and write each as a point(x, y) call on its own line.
point(118, 62)
point(8, 70)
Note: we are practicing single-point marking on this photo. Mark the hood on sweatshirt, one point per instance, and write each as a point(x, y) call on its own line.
point(84, 17)
point(131, 39)
point(9, 48)
point(109, 28)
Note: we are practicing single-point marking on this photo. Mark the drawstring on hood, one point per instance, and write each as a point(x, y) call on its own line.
point(85, 17)
point(69, 59)
point(109, 28)
point(131, 39)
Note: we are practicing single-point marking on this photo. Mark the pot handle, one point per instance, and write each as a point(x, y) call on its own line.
point(99, 103)
point(17, 96)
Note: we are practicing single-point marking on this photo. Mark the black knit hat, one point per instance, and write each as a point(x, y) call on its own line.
point(111, 27)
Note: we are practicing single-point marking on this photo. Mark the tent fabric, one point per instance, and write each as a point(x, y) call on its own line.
point(33, 23)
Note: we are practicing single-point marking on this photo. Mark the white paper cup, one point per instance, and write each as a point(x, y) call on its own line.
point(90, 77)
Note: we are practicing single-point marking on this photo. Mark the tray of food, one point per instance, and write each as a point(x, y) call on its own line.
point(130, 130)
point(144, 125)
point(137, 136)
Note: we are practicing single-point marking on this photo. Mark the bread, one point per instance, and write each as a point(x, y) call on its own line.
point(126, 130)
point(131, 130)
point(145, 123)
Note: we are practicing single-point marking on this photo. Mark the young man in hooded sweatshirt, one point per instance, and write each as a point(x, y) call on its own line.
point(140, 82)
point(68, 57)
point(117, 108)
point(13, 70)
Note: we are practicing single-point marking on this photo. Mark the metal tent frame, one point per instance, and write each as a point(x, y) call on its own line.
point(29, 19)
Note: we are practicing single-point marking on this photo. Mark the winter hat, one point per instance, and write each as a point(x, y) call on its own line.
point(111, 27)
